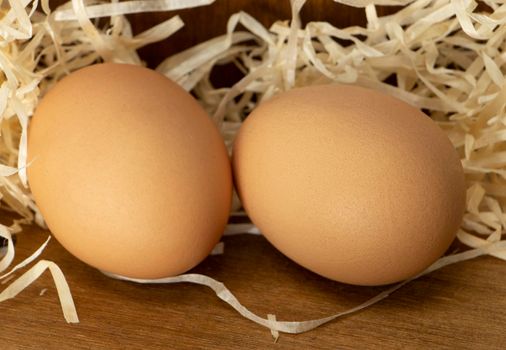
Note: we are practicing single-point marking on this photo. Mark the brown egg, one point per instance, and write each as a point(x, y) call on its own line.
point(350, 183)
point(129, 172)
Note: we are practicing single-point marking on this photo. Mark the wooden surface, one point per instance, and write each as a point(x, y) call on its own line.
point(459, 307)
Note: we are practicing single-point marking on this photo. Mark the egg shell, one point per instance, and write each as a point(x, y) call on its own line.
point(350, 183)
point(129, 172)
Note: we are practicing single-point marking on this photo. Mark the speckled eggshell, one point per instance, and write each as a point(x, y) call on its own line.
point(129, 172)
point(350, 183)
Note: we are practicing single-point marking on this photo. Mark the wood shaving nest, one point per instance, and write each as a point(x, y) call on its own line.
point(446, 56)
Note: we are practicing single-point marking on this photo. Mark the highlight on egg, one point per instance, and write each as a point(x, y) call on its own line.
point(350, 183)
point(129, 172)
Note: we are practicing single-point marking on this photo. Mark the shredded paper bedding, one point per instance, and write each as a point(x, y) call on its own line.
point(446, 57)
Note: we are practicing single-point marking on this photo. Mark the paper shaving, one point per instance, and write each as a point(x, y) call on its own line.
point(9, 255)
point(300, 327)
point(218, 249)
point(239, 229)
point(66, 301)
point(130, 7)
point(444, 56)
point(8, 279)
point(28, 260)
point(274, 333)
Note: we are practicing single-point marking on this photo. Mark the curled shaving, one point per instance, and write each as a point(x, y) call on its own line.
point(445, 56)
point(66, 301)
point(295, 327)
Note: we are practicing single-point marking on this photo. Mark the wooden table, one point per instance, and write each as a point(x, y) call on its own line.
point(460, 307)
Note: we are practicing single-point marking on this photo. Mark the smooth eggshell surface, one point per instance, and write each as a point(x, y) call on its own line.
point(129, 172)
point(352, 184)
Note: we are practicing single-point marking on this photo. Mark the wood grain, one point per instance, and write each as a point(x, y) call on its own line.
point(459, 307)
